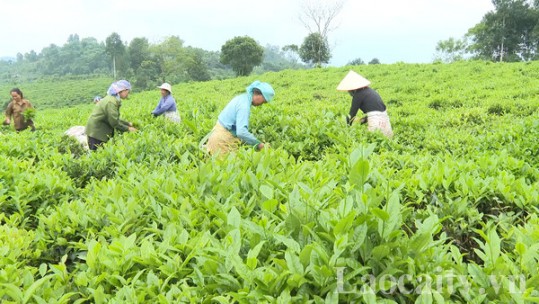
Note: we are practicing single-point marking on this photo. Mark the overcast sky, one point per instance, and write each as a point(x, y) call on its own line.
point(390, 30)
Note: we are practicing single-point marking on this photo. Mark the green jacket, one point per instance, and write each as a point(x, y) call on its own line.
point(105, 118)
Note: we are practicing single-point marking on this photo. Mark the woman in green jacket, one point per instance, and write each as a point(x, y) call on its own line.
point(105, 118)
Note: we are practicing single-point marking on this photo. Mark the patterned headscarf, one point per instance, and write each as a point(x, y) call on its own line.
point(118, 86)
point(264, 87)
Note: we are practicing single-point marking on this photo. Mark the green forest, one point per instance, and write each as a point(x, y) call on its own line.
point(147, 65)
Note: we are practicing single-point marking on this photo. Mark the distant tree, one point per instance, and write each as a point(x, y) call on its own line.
point(93, 56)
point(217, 69)
point(69, 53)
point(276, 60)
point(374, 61)
point(509, 33)
point(242, 54)
point(171, 57)
point(116, 50)
point(139, 51)
point(51, 61)
point(357, 61)
point(535, 37)
point(20, 57)
point(31, 56)
point(450, 50)
point(197, 69)
point(147, 74)
point(291, 52)
point(315, 50)
point(319, 16)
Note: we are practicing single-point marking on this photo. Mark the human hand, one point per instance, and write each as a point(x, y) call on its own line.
point(6, 122)
point(132, 129)
point(263, 146)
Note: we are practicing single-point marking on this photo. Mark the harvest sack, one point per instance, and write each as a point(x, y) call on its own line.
point(78, 133)
point(221, 140)
point(377, 120)
point(173, 116)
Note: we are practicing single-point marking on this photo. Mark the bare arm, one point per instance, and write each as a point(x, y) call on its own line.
point(9, 112)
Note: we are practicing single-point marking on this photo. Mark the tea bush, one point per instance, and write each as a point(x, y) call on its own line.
point(446, 211)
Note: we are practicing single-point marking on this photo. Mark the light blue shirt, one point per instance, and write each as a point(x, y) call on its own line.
point(166, 104)
point(235, 118)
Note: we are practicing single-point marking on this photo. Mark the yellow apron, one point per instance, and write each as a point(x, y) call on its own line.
point(221, 141)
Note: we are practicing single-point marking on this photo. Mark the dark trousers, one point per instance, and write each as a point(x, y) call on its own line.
point(94, 143)
point(28, 124)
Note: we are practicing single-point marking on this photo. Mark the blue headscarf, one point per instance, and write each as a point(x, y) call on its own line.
point(118, 86)
point(264, 87)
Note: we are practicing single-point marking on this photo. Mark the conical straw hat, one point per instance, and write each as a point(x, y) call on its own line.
point(352, 81)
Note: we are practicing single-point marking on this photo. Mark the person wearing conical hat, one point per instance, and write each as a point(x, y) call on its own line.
point(368, 101)
point(232, 127)
point(167, 105)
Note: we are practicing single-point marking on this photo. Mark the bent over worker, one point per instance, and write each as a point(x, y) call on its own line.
point(232, 127)
point(368, 101)
point(105, 117)
point(167, 104)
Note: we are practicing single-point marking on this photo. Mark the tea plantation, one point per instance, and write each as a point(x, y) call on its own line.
point(444, 212)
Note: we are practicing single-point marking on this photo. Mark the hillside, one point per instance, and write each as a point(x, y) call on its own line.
point(445, 211)
point(60, 92)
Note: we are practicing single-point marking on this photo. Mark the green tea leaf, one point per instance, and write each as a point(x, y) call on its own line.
point(381, 214)
point(28, 293)
point(293, 262)
point(359, 173)
point(345, 224)
point(12, 291)
point(94, 247)
point(267, 191)
point(425, 297)
point(234, 218)
point(368, 295)
point(42, 269)
point(493, 249)
point(289, 242)
point(253, 254)
point(270, 205)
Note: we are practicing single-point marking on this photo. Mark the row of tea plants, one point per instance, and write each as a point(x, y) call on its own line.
point(446, 211)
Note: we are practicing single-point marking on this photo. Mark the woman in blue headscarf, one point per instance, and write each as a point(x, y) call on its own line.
point(105, 117)
point(232, 127)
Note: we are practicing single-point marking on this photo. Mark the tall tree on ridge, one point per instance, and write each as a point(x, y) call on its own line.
point(116, 49)
point(242, 54)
